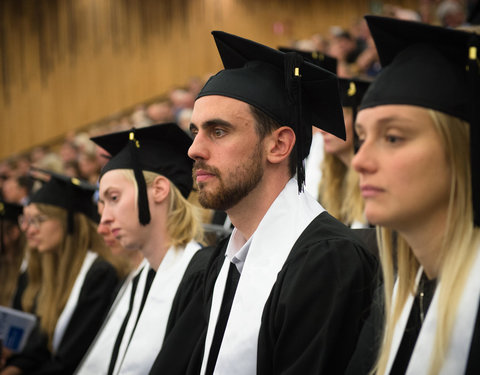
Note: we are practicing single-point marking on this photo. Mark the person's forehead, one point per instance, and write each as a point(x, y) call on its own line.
point(113, 179)
point(212, 103)
point(212, 107)
point(30, 209)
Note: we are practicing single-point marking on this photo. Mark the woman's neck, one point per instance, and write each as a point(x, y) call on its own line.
point(426, 242)
point(345, 157)
point(155, 249)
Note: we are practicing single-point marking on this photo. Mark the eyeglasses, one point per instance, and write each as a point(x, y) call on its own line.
point(36, 221)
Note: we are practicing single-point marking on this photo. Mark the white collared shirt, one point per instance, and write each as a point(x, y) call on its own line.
point(237, 249)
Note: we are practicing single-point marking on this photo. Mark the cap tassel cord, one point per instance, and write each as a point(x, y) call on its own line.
point(2, 245)
point(143, 210)
point(70, 198)
point(293, 83)
point(473, 76)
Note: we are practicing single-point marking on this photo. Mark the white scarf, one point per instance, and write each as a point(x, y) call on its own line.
point(133, 316)
point(271, 244)
point(148, 336)
point(72, 301)
point(95, 361)
point(459, 347)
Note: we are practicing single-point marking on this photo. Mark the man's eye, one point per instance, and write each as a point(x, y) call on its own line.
point(219, 132)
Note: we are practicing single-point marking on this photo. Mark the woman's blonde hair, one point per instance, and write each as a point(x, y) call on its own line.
point(456, 254)
point(51, 274)
point(183, 220)
point(339, 190)
point(10, 262)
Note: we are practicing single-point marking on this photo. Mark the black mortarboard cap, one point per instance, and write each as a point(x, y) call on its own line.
point(158, 148)
point(318, 58)
point(69, 193)
point(291, 91)
point(431, 67)
point(474, 16)
point(352, 91)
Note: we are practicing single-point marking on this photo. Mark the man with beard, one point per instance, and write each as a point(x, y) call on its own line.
point(288, 291)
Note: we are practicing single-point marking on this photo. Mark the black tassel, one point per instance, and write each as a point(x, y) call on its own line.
point(70, 213)
point(352, 91)
point(293, 83)
point(473, 75)
point(143, 210)
point(2, 244)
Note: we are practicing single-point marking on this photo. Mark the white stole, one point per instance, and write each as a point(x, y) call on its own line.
point(133, 316)
point(271, 244)
point(96, 360)
point(148, 336)
point(459, 347)
point(72, 301)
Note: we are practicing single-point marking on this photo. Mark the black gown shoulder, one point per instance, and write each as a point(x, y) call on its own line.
point(319, 302)
point(186, 324)
point(93, 303)
point(368, 345)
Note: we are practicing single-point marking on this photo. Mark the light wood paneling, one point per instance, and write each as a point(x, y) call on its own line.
point(67, 63)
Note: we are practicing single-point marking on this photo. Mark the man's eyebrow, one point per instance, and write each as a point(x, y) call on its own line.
point(213, 122)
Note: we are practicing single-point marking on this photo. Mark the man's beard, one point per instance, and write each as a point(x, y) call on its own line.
point(233, 187)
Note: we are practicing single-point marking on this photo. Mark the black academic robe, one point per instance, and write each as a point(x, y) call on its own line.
point(93, 304)
point(315, 311)
point(186, 324)
point(21, 286)
point(319, 302)
point(368, 345)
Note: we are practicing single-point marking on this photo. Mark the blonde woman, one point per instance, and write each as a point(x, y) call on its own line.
point(419, 165)
point(338, 189)
point(144, 190)
point(72, 284)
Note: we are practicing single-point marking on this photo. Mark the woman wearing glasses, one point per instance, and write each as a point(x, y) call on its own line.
point(70, 287)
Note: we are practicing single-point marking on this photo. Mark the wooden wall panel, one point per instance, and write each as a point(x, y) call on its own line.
point(65, 64)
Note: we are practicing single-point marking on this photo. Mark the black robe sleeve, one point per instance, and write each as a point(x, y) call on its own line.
point(368, 344)
point(21, 286)
point(321, 298)
point(473, 364)
point(93, 304)
point(186, 324)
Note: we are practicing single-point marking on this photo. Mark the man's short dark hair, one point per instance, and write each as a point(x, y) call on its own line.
point(265, 125)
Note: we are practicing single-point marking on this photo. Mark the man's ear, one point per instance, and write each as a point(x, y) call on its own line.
point(161, 188)
point(280, 144)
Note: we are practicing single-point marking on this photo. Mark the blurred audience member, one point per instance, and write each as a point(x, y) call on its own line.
point(451, 13)
point(160, 112)
point(17, 189)
point(68, 151)
point(89, 167)
point(183, 119)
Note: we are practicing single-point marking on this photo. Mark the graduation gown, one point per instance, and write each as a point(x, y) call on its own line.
point(186, 324)
point(89, 309)
point(148, 335)
point(95, 361)
point(411, 347)
point(312, 314)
